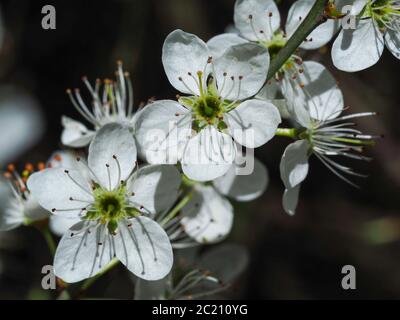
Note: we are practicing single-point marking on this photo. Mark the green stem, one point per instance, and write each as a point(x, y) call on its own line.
point(177, 208)
point(49, 239)
point(89, 282)
point(313, 19)
point(287, 132)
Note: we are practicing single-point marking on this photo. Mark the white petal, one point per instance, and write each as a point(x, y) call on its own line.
point(144, 248)
point(290, 200)
point(248, 65)
point(271, 92)
point(320, 36)
point(59, 225)
point(11, 213)
point(208, 217)
point(208, 155)
point(160, 128)
point(112, 140)
point(243, 187)
point(226, 262)
point(260, 11)
point(392, 39)
point(355, 50)
point(155, 187)
point(220, 43)
point(81, 255)
point(75, 134)
point(323, 98)
point(21, 123)
point(53, 189)
point(294, 163)
point(253, 123)
point(183, 53)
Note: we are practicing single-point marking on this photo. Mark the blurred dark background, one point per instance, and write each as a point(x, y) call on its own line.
point(291, 257)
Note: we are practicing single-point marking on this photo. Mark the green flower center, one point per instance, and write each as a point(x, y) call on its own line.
point(384, 12)
point(110, 207)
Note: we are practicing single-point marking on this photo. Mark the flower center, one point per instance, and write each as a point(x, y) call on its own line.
point(385, 12)
point(110, 207)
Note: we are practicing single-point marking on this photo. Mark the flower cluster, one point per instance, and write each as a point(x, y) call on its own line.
point(139, 186)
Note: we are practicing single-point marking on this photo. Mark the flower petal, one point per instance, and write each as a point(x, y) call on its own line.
point(220, 43)
point(59, 225)
point(208, 217)
point(320, 36)
point(290, 200)
point(160, 128)
point(253, 123)
point(75, 134)
point(144, 248)
point(243, 187)
point(12, 212)
point(294, 164)
point(392, 39)
point(155, 187)
point(319, 91)
point(242, 71)
point(53, 188)
point(112, 155)
point(208, 155)
point(81, 255)
point(359, 49)
point(185, 53)
point(21, 123)
point(262, 20)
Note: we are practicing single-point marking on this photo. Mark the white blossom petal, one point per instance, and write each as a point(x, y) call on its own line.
point(54, 188)
point(359, 49)
point(392, 40)
point(243, 68)
point(294, 163)
point(208, 155)
point(59, 225)
point(81, 255)
point(12, 212)
point(144, 248)
point(160, 129)
point(185, 53)
point(290, 200)
point(220, 43)
point(243, 187)
point(75, 134)
point(253, 123)
point(155, 187)
point(208, 217)
point(265, 18)
point(112, 155)
point(320, 36)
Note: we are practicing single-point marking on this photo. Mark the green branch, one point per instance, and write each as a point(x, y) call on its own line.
point(313, 20)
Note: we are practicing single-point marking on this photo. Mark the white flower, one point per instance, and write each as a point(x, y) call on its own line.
point(217, 109)
point(259, 21)
point(208, 217)
point(325, 134)
point(378, 24)
point(114, 104)
point(112, 205)
point(214, 272)
point(19, 207)
point(21, 123)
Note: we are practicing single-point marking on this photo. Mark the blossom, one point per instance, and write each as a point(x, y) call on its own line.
point(19, 207)
point(114, 104)
point(214, 272)
point(115, 204)
point(206, 124)
point(259, 21)
point(378, 24)
point(208, 217)
point(21, 123)
point(322, 132)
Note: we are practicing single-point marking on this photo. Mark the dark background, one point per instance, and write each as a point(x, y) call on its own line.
point(291, 257)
